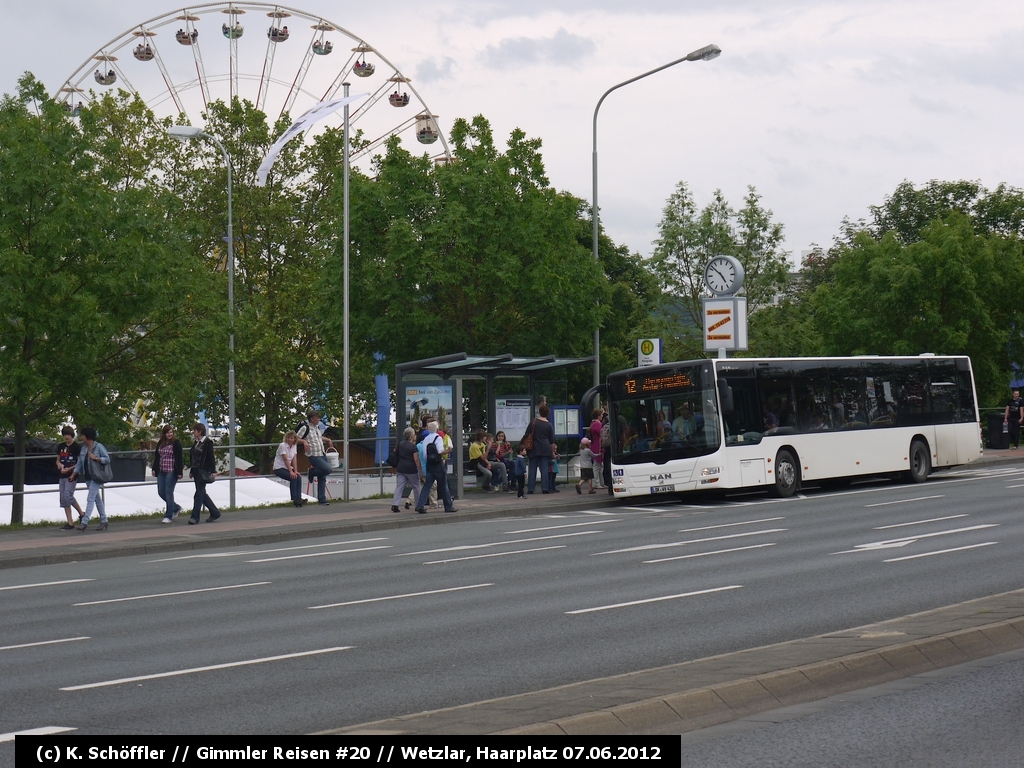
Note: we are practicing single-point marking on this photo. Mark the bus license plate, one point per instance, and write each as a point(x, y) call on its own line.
point(662, 488)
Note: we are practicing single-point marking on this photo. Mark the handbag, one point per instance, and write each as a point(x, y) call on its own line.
point(527, 441)
point(392, 459)
point(203, 475)
point(102, 473)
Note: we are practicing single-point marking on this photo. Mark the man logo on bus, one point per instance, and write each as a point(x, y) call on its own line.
point(665, 476)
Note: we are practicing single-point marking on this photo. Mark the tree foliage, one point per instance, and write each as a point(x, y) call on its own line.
point(99, 301)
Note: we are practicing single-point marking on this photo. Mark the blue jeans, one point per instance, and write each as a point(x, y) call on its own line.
point(544, 463)
point(319, 469)
point(95, 497)
point(294, 483)
point(165, 482)
point(440, 476)
point(200, 500)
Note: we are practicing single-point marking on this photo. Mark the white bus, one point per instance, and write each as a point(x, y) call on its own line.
point(774, 423)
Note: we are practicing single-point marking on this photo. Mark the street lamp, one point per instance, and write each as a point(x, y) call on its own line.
point(706, 53)
point(185, 133)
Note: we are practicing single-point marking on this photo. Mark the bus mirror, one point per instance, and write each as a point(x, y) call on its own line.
point(725, 397)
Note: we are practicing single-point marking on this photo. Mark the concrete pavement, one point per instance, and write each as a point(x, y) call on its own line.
point(669, 699)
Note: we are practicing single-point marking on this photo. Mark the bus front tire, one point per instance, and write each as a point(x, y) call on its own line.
point(787, 474)
point(920, 462)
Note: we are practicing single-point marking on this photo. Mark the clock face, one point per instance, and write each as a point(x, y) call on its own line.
point(721, 275)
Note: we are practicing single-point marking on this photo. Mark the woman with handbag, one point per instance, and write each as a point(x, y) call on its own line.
point(168, 469)
point(203, 472)
point(543, 434)
point(93, 467)
point(407, 468)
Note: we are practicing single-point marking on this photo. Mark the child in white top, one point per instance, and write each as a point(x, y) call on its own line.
point(586, 466)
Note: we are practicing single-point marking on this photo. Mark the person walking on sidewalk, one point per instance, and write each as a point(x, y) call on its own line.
point(91, 461)
point(67, 460)
point(315, 445)
point(286, 466)
point(408, 470)
point(586, 467)
point(1012, 418)
point(168, 469)
point(203, 470)
point(434, 471)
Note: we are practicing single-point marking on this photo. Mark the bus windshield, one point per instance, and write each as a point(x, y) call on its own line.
point(665, 415)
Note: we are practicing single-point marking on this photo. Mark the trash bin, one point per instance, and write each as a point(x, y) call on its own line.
point(997, 439)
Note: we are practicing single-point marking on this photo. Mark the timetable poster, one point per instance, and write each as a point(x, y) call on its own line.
point(512, 416)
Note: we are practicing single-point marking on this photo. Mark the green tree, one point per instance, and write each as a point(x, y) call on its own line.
point(952, 291)
point(480, 254)
point(689, 238)
point(100, 305)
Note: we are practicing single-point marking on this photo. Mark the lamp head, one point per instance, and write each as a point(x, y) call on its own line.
point(184, 132)
point(707, 53)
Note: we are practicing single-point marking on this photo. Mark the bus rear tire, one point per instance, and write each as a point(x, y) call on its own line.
point(920, 462)
point(787, 474)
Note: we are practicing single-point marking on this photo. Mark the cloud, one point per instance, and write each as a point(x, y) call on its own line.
point(430, 71)
point(562, 48)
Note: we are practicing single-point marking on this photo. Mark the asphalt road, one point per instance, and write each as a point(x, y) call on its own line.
point(317, 634)
point(968, 715)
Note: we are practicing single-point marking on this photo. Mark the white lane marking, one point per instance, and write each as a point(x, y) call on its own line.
point(567, 525)
point(42, 642)
point(653, 600)
point(268, 551)
point(45, 584)
point(174, 594)
point(35, 732)
point(646, 509)
point(696, 506)
point(466, 547)
point(399, 597)
point(494, 554)
point(691, 541)
point(1015, 486)
point(596, 512)
point(940, 552)
point(318, 554)
point(902, 501)
point(917, 522)
point(732, 525)
point(212, 667)
point(705, 554)
point(911, 539)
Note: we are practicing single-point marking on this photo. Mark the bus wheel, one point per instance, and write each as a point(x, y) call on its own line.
point(787, 474)
point(920, 462)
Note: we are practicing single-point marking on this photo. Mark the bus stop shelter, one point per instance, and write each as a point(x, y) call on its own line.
point(449, 371)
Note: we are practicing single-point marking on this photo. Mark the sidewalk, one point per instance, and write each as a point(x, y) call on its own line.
point(249, 527)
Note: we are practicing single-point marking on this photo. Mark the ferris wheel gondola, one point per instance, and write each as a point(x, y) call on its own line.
point(276, 79)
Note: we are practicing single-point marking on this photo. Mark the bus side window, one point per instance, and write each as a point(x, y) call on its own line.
point(966, 411)
point(848, 395)
point(813, 405)
point(943, 390)
point(911, 393)
point(878, 394)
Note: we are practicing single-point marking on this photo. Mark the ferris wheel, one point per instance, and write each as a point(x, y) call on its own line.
point(281, 59)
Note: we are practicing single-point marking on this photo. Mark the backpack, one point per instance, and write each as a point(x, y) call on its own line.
point(433, 457)
point(299, 429)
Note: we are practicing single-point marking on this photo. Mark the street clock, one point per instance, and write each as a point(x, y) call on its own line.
point(724, 275)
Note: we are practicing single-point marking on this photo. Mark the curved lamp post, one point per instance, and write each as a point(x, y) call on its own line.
point(706, 53)
point(185, 133)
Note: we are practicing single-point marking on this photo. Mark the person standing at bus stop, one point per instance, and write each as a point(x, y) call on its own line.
point(1012, 418)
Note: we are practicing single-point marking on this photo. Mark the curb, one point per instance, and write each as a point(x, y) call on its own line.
point(704, 707)
point(695, 694)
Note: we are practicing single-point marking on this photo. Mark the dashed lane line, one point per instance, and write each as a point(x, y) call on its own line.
point(398, 597)
point(653, 600)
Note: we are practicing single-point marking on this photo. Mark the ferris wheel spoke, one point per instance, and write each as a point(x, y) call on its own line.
point(396, 131)
point(300, 76)
point(365, 105)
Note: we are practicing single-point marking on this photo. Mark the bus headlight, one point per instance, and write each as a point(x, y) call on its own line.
point(619, 481)
point(709, 471)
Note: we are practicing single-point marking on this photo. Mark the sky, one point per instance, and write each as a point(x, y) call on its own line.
point(823, 107)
